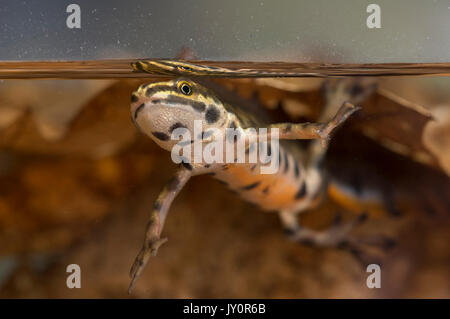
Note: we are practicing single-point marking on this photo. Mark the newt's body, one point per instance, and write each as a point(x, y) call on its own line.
point(158, 109)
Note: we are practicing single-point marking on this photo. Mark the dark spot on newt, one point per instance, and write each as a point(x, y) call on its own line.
point(204, 135)
point(161, 136)
point(222, 182)
point(296, 169)
point(288, 127)
point(251, 186)
point(175, 126)
point(301, 192)
point(157, 205)
point(212, 114)
point(286, 162)
point(250, 148)
point(187, 165)
point(173, 184)
point(232, 134)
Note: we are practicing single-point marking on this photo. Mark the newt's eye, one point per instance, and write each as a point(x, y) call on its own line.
point(184, 68)
point(185, 88)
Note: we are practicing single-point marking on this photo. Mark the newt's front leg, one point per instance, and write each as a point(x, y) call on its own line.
point(301, 131)
point(158, 215)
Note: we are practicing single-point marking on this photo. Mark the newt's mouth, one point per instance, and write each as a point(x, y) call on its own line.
point(138, 109)
point(135, 115)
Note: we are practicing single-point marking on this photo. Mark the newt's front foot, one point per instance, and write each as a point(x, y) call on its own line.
point(149, 249)
point(340, 117)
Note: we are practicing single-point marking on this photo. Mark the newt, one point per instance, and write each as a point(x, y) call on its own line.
point(299, 184)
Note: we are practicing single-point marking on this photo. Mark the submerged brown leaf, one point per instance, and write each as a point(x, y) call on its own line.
point(87, 118)
point(397, 124)
point(436, 137)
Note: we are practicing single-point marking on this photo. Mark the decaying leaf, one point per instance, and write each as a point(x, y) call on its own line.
point(53, 104)
point(397, 124)
point(436, 136)
point(97, 123)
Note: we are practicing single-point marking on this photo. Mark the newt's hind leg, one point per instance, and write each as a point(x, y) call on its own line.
point(333, 237)
point(337, 236)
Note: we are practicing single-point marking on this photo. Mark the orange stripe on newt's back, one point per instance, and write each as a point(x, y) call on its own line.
point(353, 203)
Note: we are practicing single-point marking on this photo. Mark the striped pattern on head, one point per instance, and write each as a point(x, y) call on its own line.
point(159, 108)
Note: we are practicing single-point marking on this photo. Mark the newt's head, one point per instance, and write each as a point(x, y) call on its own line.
point(157, 109)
